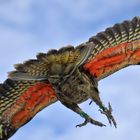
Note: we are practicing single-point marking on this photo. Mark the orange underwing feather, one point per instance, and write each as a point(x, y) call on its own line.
point(113, 59)
point(20, 101)
point(31, 101)
point(121, 49)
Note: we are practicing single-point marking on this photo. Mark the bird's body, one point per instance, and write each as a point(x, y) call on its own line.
point(69, 75)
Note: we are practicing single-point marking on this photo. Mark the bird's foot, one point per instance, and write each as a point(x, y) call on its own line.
point(108, 113)
point(90, 120)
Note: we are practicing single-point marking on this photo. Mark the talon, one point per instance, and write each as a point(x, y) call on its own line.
point(108, 113)
point(82, 124)
point(90, 120)
point(97, 123)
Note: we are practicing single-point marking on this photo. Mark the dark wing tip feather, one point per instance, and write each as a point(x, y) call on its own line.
point(19, 67)
point(10, 82)
point(81, 47)
point(2, 91)
point(17, 75)
point(22, 66)
point(41, 56)
point(67, 48)
point(96, 40)
point(128, 25)
point(136, 18)
point(6, 86)
point(50, 52)
point(30, 61)
point(136, 21)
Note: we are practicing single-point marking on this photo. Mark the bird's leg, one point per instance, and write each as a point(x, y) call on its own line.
point(104, 110)
point(77, 109)
point(108, 113)
point(92, 89)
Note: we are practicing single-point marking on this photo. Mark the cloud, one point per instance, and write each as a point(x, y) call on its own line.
point(15, 12)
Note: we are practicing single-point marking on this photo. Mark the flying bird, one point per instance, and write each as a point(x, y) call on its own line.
point(69, 75)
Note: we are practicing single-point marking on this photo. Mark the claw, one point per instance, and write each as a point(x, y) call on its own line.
point(108, 113)
point(90, 120)
point(82, 124)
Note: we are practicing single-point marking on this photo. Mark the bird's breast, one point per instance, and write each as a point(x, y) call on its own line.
point(76, 88)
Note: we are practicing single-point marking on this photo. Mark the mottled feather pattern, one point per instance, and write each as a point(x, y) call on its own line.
point(20, 101)
point(114, 49)
point(120, 33)
point(10, 90)
point(52, 63)
point(63, 61)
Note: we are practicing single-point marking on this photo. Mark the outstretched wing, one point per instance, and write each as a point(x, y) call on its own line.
point(107, 52)
point(27, 91)
point(53, 64)
point(20, 101)
point(115, 48)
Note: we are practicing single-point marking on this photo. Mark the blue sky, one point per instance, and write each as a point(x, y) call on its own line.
point(28, 27)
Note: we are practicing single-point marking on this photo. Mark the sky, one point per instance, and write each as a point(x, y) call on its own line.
point(28, 27)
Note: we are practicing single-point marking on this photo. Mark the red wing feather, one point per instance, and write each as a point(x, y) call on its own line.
point(115, 48)
point(21, 102)
point(113, 59)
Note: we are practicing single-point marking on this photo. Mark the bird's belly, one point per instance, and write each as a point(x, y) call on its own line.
point(76, 89)
point(76, 95)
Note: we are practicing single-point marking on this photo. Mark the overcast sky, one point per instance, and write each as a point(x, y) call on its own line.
point(28, 27)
